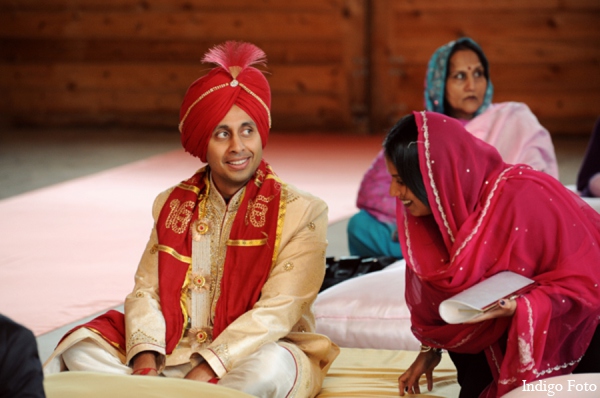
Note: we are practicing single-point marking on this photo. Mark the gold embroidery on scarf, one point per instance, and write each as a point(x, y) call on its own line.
point(259, 179)
point(257, 212)
point(189, 187)
point(180, 216)
point(172, 252)
point(242, 242)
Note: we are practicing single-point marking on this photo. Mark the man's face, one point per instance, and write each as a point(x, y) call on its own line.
point(234, 151)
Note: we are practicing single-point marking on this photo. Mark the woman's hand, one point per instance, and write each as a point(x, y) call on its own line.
point(505, 307)
point(425, 363)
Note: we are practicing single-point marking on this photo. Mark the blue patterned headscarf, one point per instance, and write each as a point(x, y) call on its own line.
point(437, 69)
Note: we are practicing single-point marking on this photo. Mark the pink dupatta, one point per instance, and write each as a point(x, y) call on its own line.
point(489, 217)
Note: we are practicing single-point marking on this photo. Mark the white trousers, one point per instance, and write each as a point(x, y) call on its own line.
point(270, 372)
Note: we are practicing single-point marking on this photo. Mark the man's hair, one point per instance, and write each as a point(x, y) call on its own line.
point(400, 146)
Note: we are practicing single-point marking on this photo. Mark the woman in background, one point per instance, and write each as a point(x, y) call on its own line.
point(457, 84)
point(465, 215)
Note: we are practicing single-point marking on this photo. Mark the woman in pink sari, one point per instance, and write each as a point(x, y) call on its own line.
point(464, 215)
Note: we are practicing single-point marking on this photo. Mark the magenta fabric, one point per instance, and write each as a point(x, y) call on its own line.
point(488, 217)
point(373, 194)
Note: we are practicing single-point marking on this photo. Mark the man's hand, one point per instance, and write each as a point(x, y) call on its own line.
point(202, 372)
point(425, 363)
point(144, 364)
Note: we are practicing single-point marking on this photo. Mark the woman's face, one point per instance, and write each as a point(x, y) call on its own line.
point(398, 189)
point(465, 84)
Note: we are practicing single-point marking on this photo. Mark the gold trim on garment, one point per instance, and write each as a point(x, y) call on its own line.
point(280, 219)
point(189, 109)
point(243, 242)
point(172, 252)
point(113, 343)
point(189, 187)
point(233, 83)
point(242, 85)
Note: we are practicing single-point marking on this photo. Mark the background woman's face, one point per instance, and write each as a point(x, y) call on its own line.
point(465, 84)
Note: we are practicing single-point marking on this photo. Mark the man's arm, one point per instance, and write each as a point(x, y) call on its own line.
point(145, 324)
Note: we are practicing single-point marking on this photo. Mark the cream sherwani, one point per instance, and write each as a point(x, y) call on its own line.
point(282, 315)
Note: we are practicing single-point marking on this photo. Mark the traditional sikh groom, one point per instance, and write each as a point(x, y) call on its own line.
point(224, 289)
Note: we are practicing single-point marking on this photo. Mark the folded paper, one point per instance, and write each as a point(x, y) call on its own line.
point(483, 296)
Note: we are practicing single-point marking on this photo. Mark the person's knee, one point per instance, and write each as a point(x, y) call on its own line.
point(87, 355)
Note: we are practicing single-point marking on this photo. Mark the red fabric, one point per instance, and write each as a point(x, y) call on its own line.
point(242, 279)
point(202, 117)
point(110, 325)
point(489, 217)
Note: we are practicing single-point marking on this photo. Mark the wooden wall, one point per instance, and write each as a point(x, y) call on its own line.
point(351, 65)
point(129, 62)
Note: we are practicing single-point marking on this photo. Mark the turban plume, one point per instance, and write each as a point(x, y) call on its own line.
point(233, 82)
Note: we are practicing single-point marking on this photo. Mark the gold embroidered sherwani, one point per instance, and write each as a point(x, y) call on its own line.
point(282, 314)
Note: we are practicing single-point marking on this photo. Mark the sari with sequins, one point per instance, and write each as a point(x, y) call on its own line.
point(488, 217)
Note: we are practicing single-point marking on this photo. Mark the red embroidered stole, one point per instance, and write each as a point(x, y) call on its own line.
point(251, 252)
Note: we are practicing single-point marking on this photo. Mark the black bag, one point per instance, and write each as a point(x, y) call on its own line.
point(348, 267)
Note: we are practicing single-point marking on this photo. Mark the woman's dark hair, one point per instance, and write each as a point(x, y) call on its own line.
point(400, 146)
point(466, 45)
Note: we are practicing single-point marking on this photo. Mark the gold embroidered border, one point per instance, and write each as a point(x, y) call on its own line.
point(113, 343)
point(259, 100)
point(172, 252)
point(242, 242)
point(431, 179)
point(188, 187)
point(210, 90)
point(280, 219)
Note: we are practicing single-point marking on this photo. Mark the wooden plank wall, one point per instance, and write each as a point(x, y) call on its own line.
point(129, 62)
point(545, 53)
point(351, 65)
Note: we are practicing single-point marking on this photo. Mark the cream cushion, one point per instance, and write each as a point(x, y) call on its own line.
point(368, 311)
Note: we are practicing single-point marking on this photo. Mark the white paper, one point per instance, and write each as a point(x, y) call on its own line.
point(473, 301)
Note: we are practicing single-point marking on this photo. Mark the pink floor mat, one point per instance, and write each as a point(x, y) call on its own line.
point(70, 250)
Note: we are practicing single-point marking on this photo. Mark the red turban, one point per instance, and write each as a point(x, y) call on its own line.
point(233, 82)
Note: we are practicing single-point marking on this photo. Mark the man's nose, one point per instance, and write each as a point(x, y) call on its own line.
point(236, 144)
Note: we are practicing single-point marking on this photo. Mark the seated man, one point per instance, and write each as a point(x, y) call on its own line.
point(224, 290)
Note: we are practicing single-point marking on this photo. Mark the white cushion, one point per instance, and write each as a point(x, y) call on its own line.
point(368, 311)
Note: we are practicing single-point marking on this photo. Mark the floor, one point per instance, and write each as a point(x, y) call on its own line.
point(32, 159)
